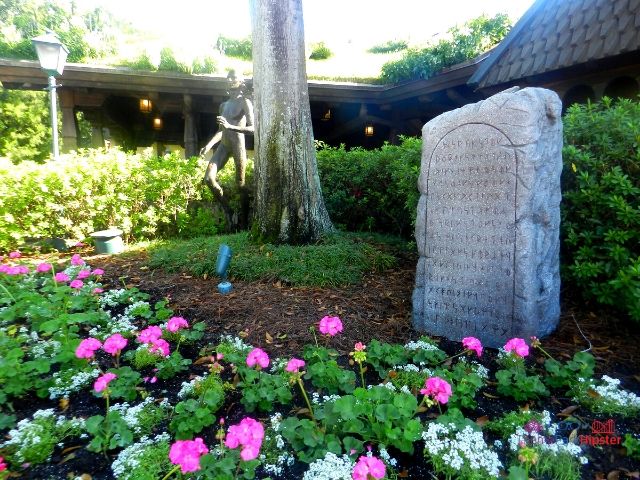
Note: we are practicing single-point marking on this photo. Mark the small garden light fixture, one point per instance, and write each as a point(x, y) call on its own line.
point(52, 55)
point(157, 123)
point(222, 265)
point(368, 130)
point(146, 105)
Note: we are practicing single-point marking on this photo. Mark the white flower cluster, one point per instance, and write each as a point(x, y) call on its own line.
point(131, 415)
point(317, 400)
point(118, 324)
point(420, 345)
point(235, 342)
point(284, 459)
point(386, 458)
point(461, 448)
point(331, 467)
point(186, 389)
point(610, 392)
point(137, 309)
point(43, 427)
point(410, 367)
point(71, 381)
point(278, 365)
point(113, 298)
point(129, 458)
point(45, 348)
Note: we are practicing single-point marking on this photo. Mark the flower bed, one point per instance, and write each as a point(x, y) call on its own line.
point(111, 384)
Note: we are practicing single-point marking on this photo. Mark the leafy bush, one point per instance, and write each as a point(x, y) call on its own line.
point(237, 48)
point(141, 62)
point(372, 190)
point(168, 62)
point(204, 65)
point(601, 206)
point(320, 51)
point(389, 46)
point(93, 189)
point(475, 37)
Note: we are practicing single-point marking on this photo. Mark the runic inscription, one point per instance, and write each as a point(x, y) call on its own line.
point(470, 236)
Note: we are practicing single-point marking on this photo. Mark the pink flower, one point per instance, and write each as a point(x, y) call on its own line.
point(80, 244)
point(84, 273)
point(294, 365)
point(97, 290)
point(249, 433)
point(472, 343)
point(518, 346)
point(76, 284)
point(187, 453)
point(88, 347)
point(369, 467)
point(532, 426)
point(437, 388)
point(15, 254)
point(3, 466)
point(176, 323)
point(114, 344)
point(77, 260)
point(61, 277)
point(98, 271)
point(44, 267)
point(258, 356)
point(330, 326)
point(150, 379)
point(16, 270)
point(359, 347)
point(161, 346)
point(150, 334)
point(103, 381)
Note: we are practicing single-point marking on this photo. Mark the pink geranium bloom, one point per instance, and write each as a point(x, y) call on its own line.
point(15, 254)
point(437, 388)
point(44, 267)
point(518, 346)
point(3, 465)
point(82, 274)
point(77, 260)
point(16, 270)
point(187, 453)
point(88, 347)
point(330, 326)
point(176, 323)
point(76, 284)
point(369, 467)
point(61, 277)
point(472, 343)
point(150, 334)
point(294, 365)
point(98, 271)
point(97, 290)
point(249, 434)
point(114, 344)
point(150, 379)
point(258, 356)
point(161, 346)
point(359, 347)
point(103, 381)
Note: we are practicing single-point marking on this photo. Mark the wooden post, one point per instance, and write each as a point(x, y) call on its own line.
point(69, 128)
point(190, 133)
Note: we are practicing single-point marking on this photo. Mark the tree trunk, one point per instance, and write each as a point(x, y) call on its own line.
point(289, 207)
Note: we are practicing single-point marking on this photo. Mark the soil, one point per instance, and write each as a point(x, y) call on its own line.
point(278, 318)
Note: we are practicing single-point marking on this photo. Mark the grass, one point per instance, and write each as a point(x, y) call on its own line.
point(340, 259)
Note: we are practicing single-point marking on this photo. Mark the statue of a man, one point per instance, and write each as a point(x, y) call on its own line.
point(235, 119)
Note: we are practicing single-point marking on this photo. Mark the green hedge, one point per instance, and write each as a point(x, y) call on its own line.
point(146, 196)
point(601, 205)
point(372, 190)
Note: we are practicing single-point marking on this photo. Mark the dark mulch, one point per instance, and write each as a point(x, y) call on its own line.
point(278, 318)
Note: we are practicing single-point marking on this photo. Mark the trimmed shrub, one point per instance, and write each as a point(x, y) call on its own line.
point(601, 204)
point(235, 48)
point(320, 51)
point(145, 196)
point(389, 46)
point(372, 190)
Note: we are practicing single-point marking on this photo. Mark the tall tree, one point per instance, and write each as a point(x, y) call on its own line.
point(289, 207)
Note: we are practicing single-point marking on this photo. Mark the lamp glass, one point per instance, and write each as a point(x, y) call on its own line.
point(145, 105)
point(52, 54)
point(157, 123)
point(368, 130)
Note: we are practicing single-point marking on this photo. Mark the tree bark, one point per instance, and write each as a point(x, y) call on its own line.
point(289, 207)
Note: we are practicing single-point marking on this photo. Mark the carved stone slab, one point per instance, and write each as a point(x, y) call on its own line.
point(488, 220)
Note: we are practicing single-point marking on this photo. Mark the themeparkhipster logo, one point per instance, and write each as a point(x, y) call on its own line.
point(602, 433)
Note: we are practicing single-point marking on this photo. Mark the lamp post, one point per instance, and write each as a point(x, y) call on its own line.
point(52, 55)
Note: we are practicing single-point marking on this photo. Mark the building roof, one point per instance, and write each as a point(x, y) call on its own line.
point(556, 34)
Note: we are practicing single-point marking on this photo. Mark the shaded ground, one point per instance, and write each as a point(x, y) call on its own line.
point(279, 317)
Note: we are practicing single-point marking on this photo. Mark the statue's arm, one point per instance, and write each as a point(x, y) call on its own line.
point(214, 140)
point(248, 113)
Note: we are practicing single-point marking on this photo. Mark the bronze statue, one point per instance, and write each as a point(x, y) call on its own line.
point(235, 119)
